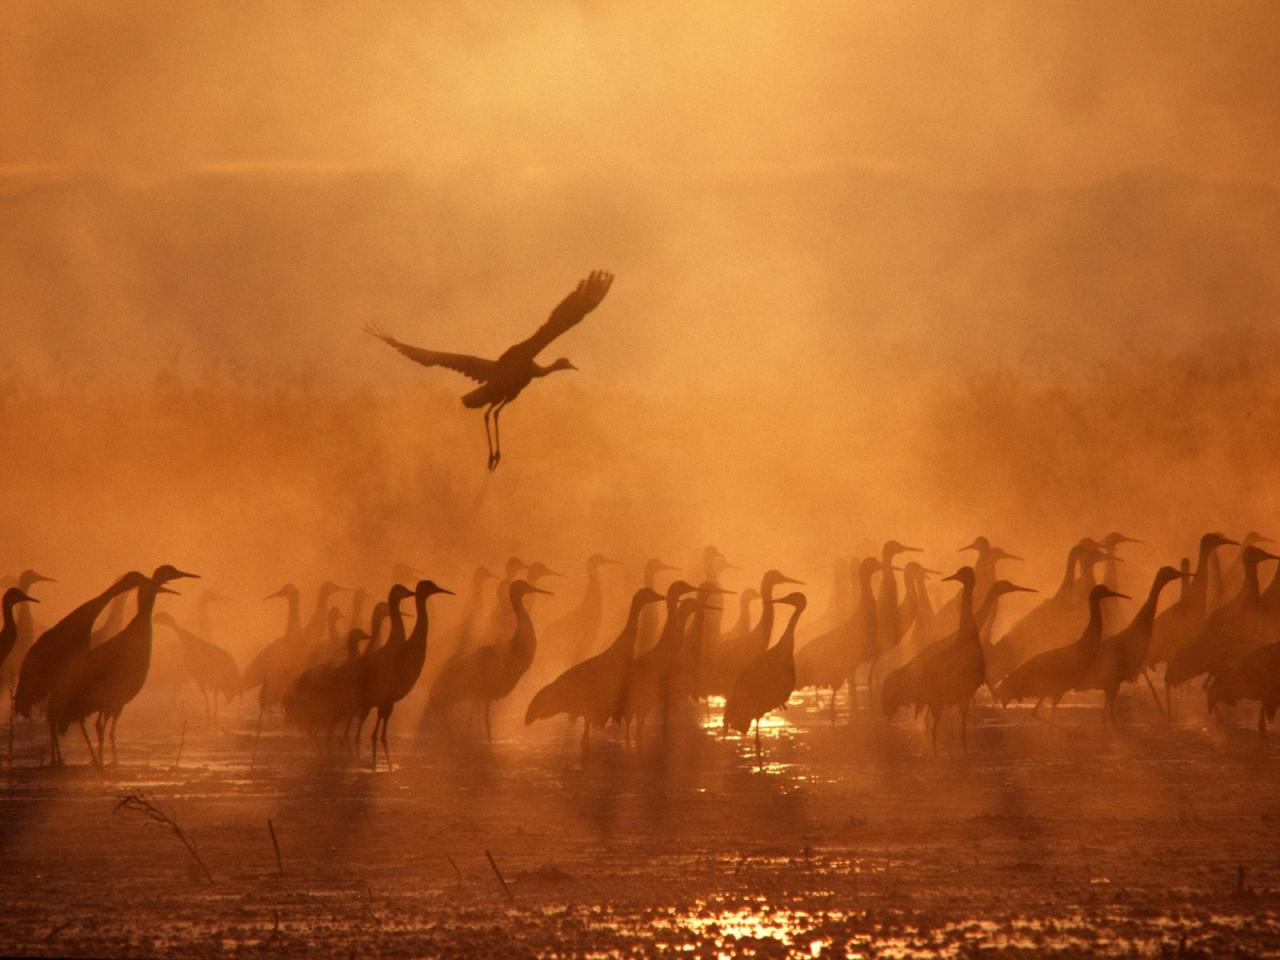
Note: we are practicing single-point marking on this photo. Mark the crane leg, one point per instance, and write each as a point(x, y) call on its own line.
point(55, 752)
point(364, 715)
point(115, 761)
point(757, 739)
point(933, 731)
point(93, 758)
point(497, 436)
point(373, 739)
point(386, 753)
point(1155, 694)
point(586, 737)
point(488, 435)
point(100, 727)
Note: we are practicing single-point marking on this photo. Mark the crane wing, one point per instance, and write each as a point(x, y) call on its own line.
point(477, 368)
point(585, 298)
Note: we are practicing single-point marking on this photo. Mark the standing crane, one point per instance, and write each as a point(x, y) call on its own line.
point(577, 630)
point(106, 678)
point(489, 673)
point(768, 680)
point(594, 689)
point(502, 380)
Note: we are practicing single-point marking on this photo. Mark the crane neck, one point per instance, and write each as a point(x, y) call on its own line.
point(293, 625)
point(626, 642)
point(1092, 635)
point(1069, 577)
point(744, 616)
point(418, 638)
point(968, 630)
point(9, 629)
point(524, 637)
point(396, 615)
point(673, 631)
point(1144, 620)
point(788, 639)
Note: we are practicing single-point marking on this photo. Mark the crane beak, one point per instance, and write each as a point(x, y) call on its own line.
point(24, 597)
point(181, 574)
point(41, 578)
point(1018, 589)
point(167, 590)
point(936, 573)
point(540, 590)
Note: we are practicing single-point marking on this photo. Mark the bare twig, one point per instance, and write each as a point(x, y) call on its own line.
point(275, 843)
point(144, 805)
point(498, 873)
point(457, 872)
point(182, 739)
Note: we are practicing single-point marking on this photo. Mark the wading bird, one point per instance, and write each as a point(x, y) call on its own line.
point(1049, 675)
point(211, 668)
point(502, 380)
point(60, 646)
point(395, 667)
point(649, 682)
point(107, 677)
point(576, 631)
point(735, 654)
point(9, 628)
point(1123, 655)
point(26, 628)
point(831, 658)
point(489, 673)
point(767, 682)
point(594, 689)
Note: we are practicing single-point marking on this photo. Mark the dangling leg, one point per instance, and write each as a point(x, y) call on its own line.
point(488, 435)
point(497, 435)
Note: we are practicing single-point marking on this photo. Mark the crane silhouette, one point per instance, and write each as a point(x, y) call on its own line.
point(60, 646)
point(1051, 674)
point(207, 665)
point(595, 688)
point(649, 682)
point(502, 380)
point(577, 630)
point(394, 667)
point(767, 681)
point(26, 629)
point(1122, 656)
point(105, 678)
point(9, 629)
point(489, 673)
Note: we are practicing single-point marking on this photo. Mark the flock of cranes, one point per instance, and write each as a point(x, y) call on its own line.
point(672, 651)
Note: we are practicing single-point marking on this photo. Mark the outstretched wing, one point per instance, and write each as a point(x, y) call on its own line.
point(585, 298)
point(477, 368)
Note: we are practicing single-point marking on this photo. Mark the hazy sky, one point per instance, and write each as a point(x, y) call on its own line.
point(968, 93)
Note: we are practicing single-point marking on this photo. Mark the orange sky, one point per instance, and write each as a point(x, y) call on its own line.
point(973, 94)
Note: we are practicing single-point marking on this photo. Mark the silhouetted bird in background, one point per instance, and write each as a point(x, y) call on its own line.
point(768, 680)
point(577, 631)
point(828, 660)
point(105, 678)
point(211, 668)
point(1123, 655)
point(1180, 623)
point(649, 682)
point(9, 627)
point(395, 667)
point(502, 380)
point(1049, 675)
point(58, 647)
point(650, 619)
point(25, 634)
point(594, 689)
point(489, 673)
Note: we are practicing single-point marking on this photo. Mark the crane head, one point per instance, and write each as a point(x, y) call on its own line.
point(427, 588)
point(964, 576)
point(17, 595)
point(288, 590)
point(562, 363)
point(1102, 592)
point(167, 572)
point(981, 544)
point(30, 577)
point(794, 599)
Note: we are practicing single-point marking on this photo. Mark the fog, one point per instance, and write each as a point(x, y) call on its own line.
point(882, 271)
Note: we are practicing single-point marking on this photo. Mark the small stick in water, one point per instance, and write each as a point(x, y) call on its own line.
point(182, 739)
point(498, 873)
point(275, 843)
point(456, 871)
